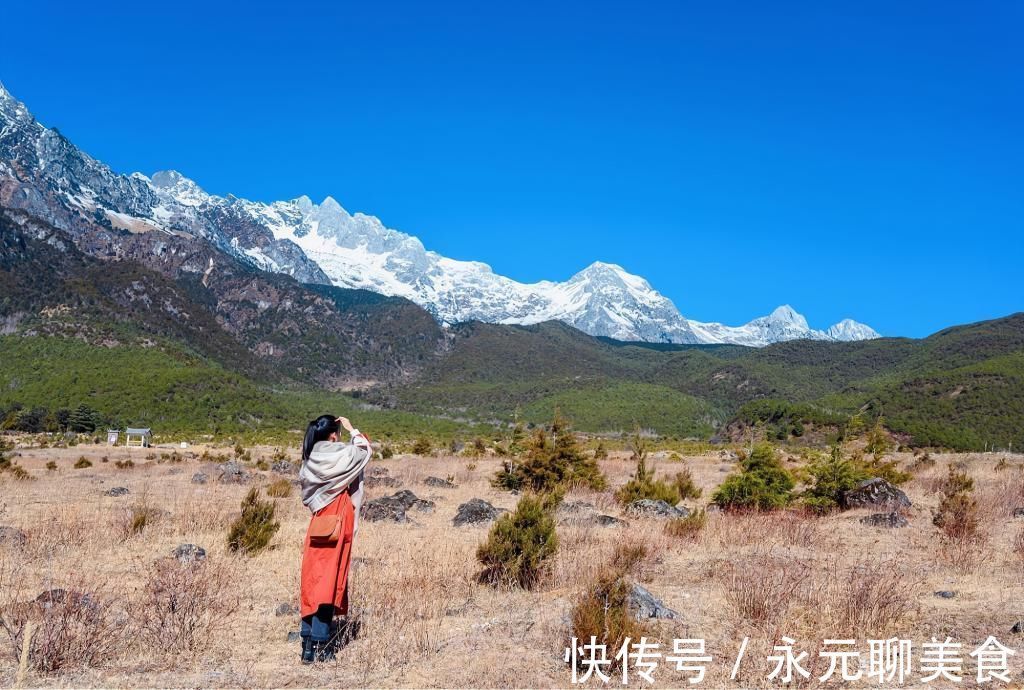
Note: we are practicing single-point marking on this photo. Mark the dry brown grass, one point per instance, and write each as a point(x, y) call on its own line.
point(425, 619)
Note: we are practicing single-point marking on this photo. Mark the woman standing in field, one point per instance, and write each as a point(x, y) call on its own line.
point(332, 488)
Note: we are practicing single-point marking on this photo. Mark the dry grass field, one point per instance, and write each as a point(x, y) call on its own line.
point(148, 621)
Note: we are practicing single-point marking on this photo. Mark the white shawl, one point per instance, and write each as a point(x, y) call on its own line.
point(334, 467)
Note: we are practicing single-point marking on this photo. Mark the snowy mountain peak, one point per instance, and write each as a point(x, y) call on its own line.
point(323, 243)
point(787, 316)
point(849, 330)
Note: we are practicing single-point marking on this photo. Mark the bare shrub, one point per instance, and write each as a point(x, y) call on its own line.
point(183, 606)
point(138, 517)
point(761, 590)
point(69, 630)
point(866, 600)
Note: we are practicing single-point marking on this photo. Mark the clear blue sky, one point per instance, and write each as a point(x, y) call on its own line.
point(853, 159)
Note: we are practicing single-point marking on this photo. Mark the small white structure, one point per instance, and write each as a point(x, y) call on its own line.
point(112, 435)
point(143, 437)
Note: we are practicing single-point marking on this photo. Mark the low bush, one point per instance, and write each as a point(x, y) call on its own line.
point(603, 612)
point(685, 486)
point(553, 461)
point(830, 477)
point(124, 464)
point(520, 542)
point(279, 488)
point(51, 466)
point(82, 463)
point(761, 484)
point(421, 446)
point(688, 527)
point(957, 514)
point(252, 531)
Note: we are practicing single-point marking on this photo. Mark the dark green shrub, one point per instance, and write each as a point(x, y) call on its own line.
point(51, 466)
point(552, 461)
point(255, 527)
point(124, 464)
point(830, 477)
point(761, 484)
point(685, 486)
point(600, 453)
point(520, 542)
point(957, 514)
point(421, 446)
point(387, 452)
point(82, 463)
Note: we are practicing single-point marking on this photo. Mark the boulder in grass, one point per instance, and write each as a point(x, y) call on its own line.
point(377, 471)
point(233, 473)
point(887, 520)
point(394, 507)
point(438, 483)
point(373, 481)
point(609, 521)
point(476, 511)
point(189, 553)
point(646, 507)
point(283, 467)
point(875, 493)
point(646, 606)
point(12, 536)
point(199, 478)
point(116, 491)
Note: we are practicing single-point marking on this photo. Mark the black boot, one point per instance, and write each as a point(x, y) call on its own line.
point(321, 650)
point(307, 650)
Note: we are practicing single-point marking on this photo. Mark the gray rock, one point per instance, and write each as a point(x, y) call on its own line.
point(888, 520)
point(374, 481)
point(575, 507)
point(475, 511)
point(945, 594)
point(189, 553)
point(1017, 628)
point(394, 507)
point(1018, 512)
point(377, 471)
point(64, 597)
point(609, 521)
point(233, 473)
point(286, 609)
point(647, 507)
point(875, 493)
point(199, 478)
point(439, 483)
point(283, 467)
point(294, 636)
point(12, 536)
point(645, 605)
point(116, 491)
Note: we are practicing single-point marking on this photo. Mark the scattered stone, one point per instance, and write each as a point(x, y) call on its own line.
point(1018, 512)
point(294, 636)
point(283, 467)
point(645, 605)
point(55, 597)
point(575, 507)
point(945, 594)
point(12, 536)
point(439, 483)
point(1017, 628)
point(233, 473)
point(383, 509)
point(647, 507)
point(373, 481)
point(199, 478)
point(377, 471)
point(116, 491)
point(609, 521)
point(876, 492)
point(475, 511)
point(189, 553)
point(286, 609)
point(394, 507)
point(889, 520)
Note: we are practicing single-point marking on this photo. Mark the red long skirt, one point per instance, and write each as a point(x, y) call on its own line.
point(325, 568)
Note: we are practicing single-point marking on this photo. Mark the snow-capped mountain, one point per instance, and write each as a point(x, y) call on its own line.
point(43, 172)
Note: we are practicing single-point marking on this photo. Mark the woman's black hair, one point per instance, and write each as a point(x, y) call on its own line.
point(319, 430)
